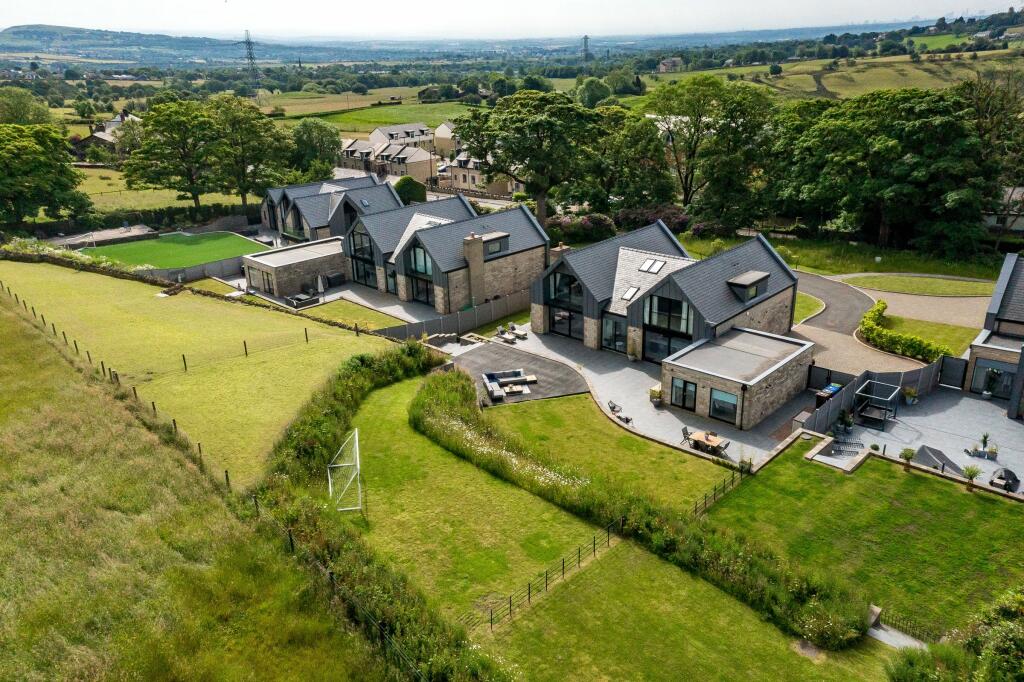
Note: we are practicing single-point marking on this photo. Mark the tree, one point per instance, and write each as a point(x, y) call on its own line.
point(538, 83)
point(907, 455)
point(252, 150)
point(775, 70)
point(592, 91)
point(315, 140)
point(971, 472)
point(409, 190)
point(37, 174)
point(19, 106)
point(179, 151)
point(84, 108)
point(686, 115)
point(128, 138)
point(535, 138)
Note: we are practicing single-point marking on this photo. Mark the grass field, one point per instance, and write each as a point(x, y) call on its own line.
point(236, 406)
point(365, 120)
point(213, 286)
point(520, 318)
point(304, 103)
point(630, 616)
point(108, 192)
point(464, 536)
point(939, 40)
point(119, 561)
point(179, 250)
point(837, 257)
point(956, 338)
point(929, 286)
point(351, 313)
point(806, 306)
point(573, 431)
point(909, 541)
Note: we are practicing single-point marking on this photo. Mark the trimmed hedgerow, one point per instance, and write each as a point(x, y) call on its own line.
point(376, 596)
point(872, 329)
point(830, 616)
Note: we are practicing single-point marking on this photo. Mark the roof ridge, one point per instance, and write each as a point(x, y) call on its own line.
point(408, 206)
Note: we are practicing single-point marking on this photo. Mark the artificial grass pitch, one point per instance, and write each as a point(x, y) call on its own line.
point(179, 250)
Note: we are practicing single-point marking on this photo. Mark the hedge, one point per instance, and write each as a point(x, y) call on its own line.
point(817, 609)
point(872, 329)
point(167, 216)
point(573, 229)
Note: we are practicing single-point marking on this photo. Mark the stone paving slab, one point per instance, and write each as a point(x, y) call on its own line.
point(554, 379)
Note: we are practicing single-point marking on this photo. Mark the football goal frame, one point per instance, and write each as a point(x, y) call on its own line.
point(344, 473)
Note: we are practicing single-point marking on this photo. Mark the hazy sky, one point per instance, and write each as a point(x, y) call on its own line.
point(461, 18)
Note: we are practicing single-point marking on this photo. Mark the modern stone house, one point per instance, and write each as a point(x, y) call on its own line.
point(446, 142)
point(411, 134)
point(716, 326)
point(300, 268)
point(465, 173)
point(996, 364)
point(388, 159)
point(321, 210)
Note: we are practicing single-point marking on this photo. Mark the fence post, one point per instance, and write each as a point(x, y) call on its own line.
point(305, 330)
point(76, 347)
point(89, 356)
point(245, 347)
point(103, 368)
point(357, 329)
point(227, 480)
point(174, 423)
point(291, 541)
point(184, 361)
point(153, 403)
point(135, 394)
point(53, 326)
point(65, 334)
point(256, 504)
point(33, 312)
point(529, 593)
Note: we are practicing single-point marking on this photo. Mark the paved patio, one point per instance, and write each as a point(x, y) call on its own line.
point(554, 379)
point(950, 421)
point(612, 377)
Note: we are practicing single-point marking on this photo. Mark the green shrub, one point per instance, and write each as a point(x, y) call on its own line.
point(409, 190)
point(873, 331)
point(572, 229)
point(446, 410)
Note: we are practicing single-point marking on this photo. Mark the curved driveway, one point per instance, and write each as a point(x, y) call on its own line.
point(844, 305)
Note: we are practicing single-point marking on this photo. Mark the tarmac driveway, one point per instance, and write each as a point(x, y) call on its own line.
point(844, 305)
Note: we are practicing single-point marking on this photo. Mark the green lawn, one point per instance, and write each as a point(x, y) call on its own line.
point(465, 537)
point(806, 306)
point(573, 431)
point(837, 257)
point(235, 406)
point(909, 541)
point(365, 120)
point(939, 40)
point(957, 338)
point(108, 192)
point(213, 286)
point(351, 313)
point(630, 616)
point(119, 561)
point(302, 103)
point(929, 286)
point(179, 250)
point(520, 318)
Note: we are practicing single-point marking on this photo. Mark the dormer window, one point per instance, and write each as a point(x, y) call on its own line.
point(630, 293)
point(652, 265)
point(493, 247)
point(747, 286)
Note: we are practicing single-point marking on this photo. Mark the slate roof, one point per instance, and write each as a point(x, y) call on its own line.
point(387, 227)
point(318, 208)
point(310, 188)
point(1008, 299)
point(705, 282)
point(628, 275)
point(414, 128)
point(444, 242)
point(594, 264)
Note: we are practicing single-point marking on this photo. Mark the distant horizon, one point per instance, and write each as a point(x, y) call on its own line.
point(463, 20)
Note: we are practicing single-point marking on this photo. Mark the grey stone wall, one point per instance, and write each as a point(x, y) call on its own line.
point(773, 315)
point(503, 276)
point(634, 342)
point(402, 284)
point(292, 279)
point(457, 295)
point(592, 333)
point(776, 389)
point(539, 318)
point(1010, 328)
point(382, 279)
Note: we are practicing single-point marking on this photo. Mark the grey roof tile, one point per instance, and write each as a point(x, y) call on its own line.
point(628, 275)
point(317, 208)
point(1011, 307)
point(444, 242)
point(387, 227)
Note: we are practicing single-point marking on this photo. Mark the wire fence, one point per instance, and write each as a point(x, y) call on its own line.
point(700, 506)
point(536, 588)
point(908, 626)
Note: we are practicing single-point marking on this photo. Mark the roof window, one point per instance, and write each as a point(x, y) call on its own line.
point(652, 265)
point(630, 293)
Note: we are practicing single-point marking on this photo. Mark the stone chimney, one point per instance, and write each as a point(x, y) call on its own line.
point(473, 251)
point(557, 252)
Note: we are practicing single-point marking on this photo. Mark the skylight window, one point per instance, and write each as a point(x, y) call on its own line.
point(630, 293)
point(652, 266)
point(364, 202)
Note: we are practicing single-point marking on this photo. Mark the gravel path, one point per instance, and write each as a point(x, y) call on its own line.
point(843, 352)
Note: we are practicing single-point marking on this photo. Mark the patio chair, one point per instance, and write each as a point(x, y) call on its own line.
point(507, 338)
point(517, 332)
point(614, 408)
point(686, 435)
point(623, 418)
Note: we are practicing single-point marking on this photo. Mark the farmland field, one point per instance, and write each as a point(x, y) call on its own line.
point(108, 192)
point(939, 40)
point(305, 103)
point(236, 406)
point(179, 250)
point(912, 542)
point(365, 120)
point(119, 560)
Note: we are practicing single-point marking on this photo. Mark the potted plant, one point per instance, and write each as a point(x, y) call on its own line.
point(906, 454)
point(846, 419)
point(970, 473)
point(910, 394)
point(984, 442)
point(656, 396)
point(991, 377)
point(993, 451)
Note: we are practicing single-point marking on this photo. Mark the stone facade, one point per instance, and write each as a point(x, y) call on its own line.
point(539, 318)
point(402, 283)
point(774, 316)
point(382, 279)
point(296, 277)
point(500, 277)
point(592, 333)
point(634, 342)
point(1010, 328)
point(456, 297)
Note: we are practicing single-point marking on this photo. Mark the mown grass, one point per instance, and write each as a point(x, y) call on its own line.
point(118, 560)
point(365, 120)
point(521, 318)
point(466, 538)
point(928, 286)
point(303, 103)
point(912, 542)
point(179, 250)
point(109, 192)
point(806, 306)
point(236, 406)
point(351, 313)
point(838, 257)
point(213, 286)
point(956, 338)
point(573, 432)
point(591, 628)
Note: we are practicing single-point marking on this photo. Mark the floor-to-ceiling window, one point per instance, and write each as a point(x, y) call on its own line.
point(994, 376)
point(668, 327)
point(364, 269)
point(723, 406)
point(684, 394)
point(421, 280)
point(564, 296)
point(613, 332)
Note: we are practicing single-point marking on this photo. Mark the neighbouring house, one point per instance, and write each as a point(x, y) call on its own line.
point(466, 174)
point(444, 255)
point(278, 201)
point(446, 142)
point(996, 365)
point(300, 269)
point(388, 159)
point(1011, 214)
point(104, 134)
point(406, 134)
point(716, 326)
point(309, 213)
point(669, 65)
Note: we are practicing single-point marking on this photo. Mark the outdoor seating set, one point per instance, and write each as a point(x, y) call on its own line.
point(616, 410)
point(706, 441)
point(509, 382)
point(512, 334)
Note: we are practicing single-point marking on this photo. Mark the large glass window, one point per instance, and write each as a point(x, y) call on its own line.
point(392, 280)
point(668, 313)
point(723, 406)
point(362, 247)
point(684, 394)
point(422, 290)
point(565, 291)
point(364, 272)
point(658, 345)
point(613, 333)
point(420, 262)
point(994, 376)
point(566, 322)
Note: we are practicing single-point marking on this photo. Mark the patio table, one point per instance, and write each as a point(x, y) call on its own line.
point(706, 442)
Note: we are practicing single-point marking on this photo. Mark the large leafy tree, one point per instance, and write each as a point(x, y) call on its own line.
point(252, 150)
point(537, 138)
point(315, 140)
point(180, 148)
point(37, 174)
point(591, 91)
point(21, 107)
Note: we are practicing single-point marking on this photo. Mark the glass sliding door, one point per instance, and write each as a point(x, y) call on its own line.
point(723, 406)
point(566, 323)
point(994, 376)
point(684, 394)
point(422, 290)
point(613, 333)
point(668, 327)
point(364, 272)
